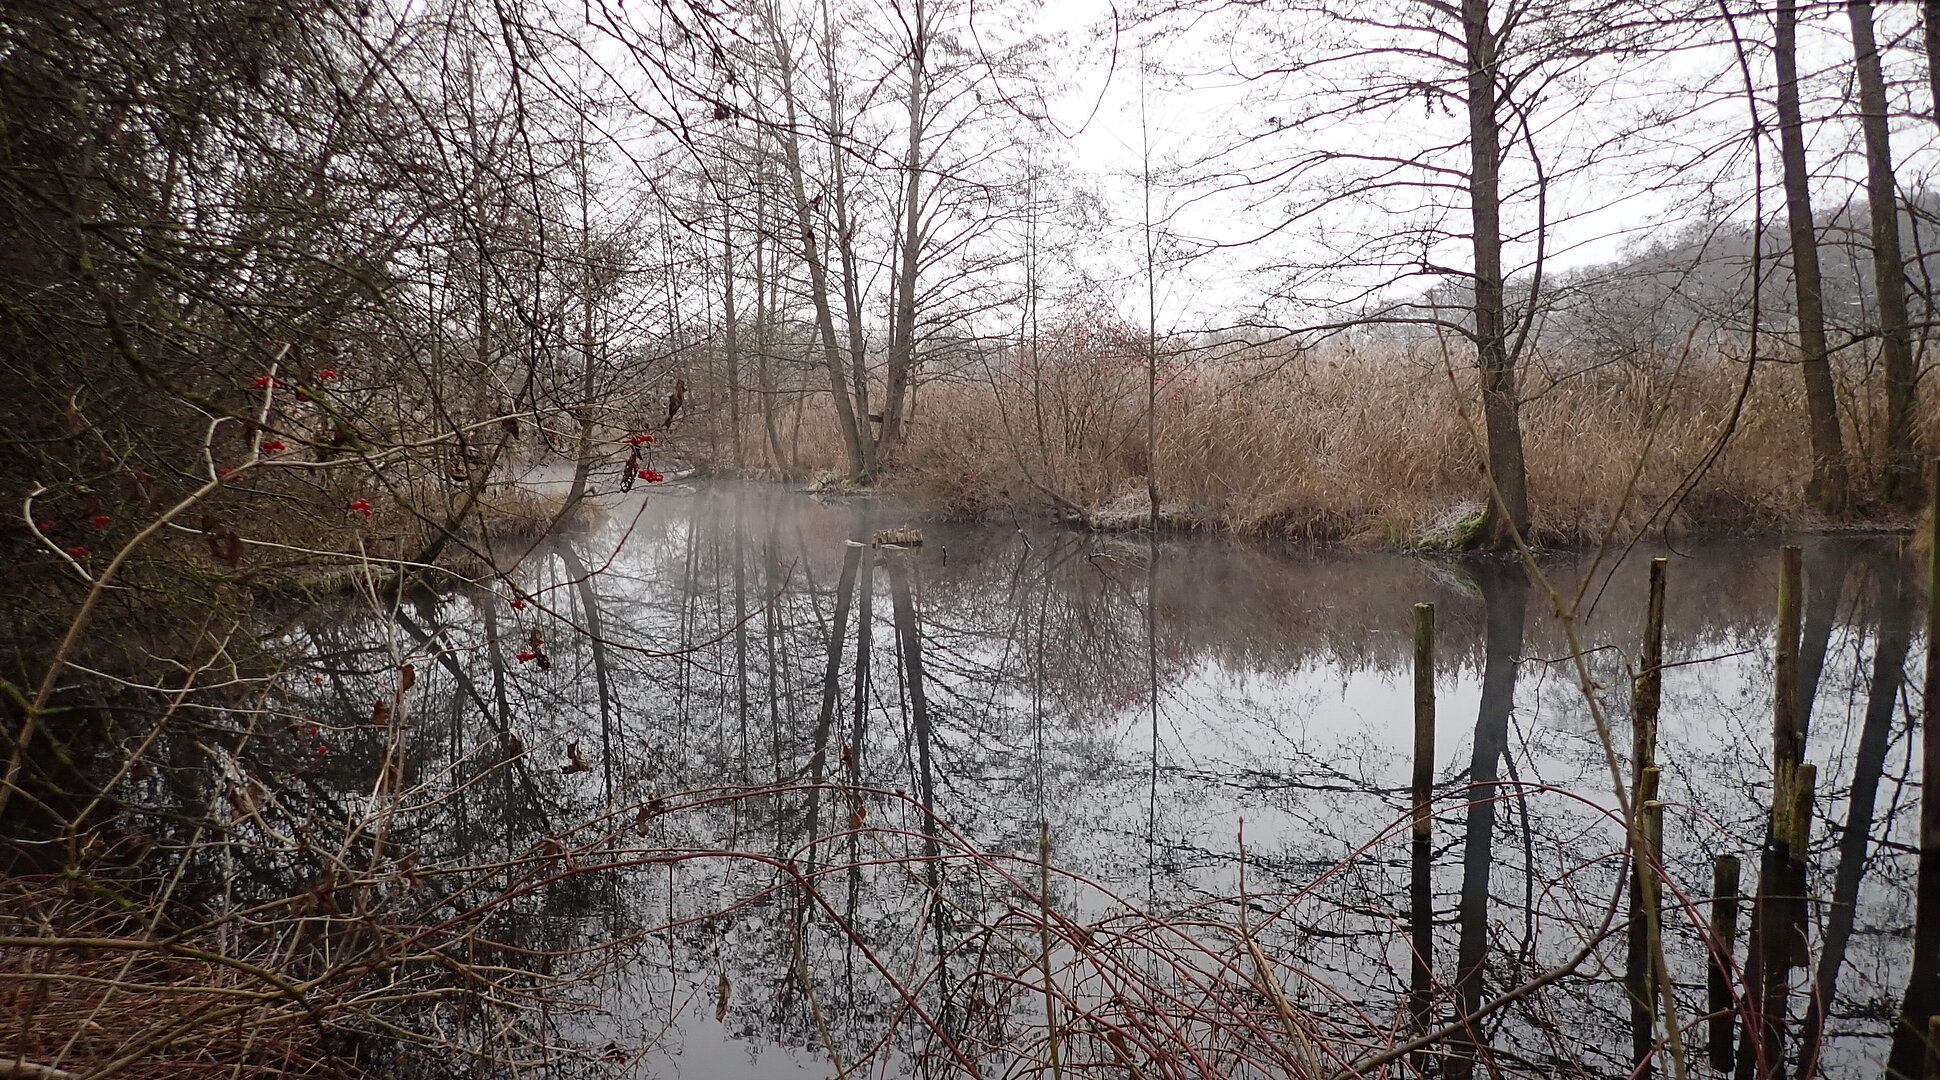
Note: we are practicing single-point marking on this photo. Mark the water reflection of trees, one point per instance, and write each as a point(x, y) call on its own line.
point(1034, 659)
point(816, 767)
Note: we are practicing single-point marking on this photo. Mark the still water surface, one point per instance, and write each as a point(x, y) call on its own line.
point(1178, 715)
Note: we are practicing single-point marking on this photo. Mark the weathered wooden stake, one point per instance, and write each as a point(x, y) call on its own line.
point(1646, 695)
point(1769, 958)
point(1044, 944)
point(1663, 987)
point(1804, 785)
point(1724, 943)
point(1421, 910)
point(1637, 980)
point(1788, 744)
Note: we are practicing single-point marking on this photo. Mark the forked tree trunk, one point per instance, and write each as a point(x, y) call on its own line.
point(818, 280)
point(844, 245)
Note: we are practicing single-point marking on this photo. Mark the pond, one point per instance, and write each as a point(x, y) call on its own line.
point(792, 803)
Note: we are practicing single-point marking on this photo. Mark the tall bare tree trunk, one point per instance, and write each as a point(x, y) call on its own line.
point(588, 383)
point(731, 341)
point(902, 333)
point(1829, 489)
point(844, 245)
point(1899, 481)
point(1930, 25)
point(1507, 515)
point(764, 366)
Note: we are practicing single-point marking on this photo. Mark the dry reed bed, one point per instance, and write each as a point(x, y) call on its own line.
point(1374, 449)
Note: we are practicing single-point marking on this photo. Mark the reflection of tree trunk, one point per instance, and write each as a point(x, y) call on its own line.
point(741, 629)
point(776, 678)
point(1505, 594)
point(1826, 582)
point(909, 642)
point(519, 768)
point(858, 730)
point(1882, 695)
point(1912, 1035)
point(864, 642)
point(831, 685)
point(589, 603)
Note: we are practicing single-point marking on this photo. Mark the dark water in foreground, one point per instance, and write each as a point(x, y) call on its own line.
point(1156, 716)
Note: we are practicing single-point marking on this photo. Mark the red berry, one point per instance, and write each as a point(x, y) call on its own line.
point(272, 446)
point(263, 381)
point(78, 552)
point(327, 373)
point(100, 521)
point(44, 526)
point(518, 605)
point(316, 678)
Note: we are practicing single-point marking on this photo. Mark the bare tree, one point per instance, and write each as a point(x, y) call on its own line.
point(1829, 486)
point(1899, 479)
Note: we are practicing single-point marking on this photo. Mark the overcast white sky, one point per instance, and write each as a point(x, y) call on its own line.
point(1597, 216)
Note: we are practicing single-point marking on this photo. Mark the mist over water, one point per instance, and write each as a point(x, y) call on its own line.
point(999, 676)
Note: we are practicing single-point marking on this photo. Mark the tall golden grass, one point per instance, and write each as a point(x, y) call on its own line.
point(1381, 447)
point(1377, 446)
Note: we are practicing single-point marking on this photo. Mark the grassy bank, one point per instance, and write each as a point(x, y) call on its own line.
point(1366, 447)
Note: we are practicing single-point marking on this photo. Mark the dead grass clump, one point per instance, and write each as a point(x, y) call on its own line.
point(525, 513)
point(94, 978)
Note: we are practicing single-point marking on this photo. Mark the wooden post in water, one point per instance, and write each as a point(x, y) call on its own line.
point(1921, 1005)
point(1769, 960)
point(1804, 786)
point(1044, 944)
point(1637, 975)
point(1663, 988)
point(1421, 898)
point(1724, 937)
point(1646, 696)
